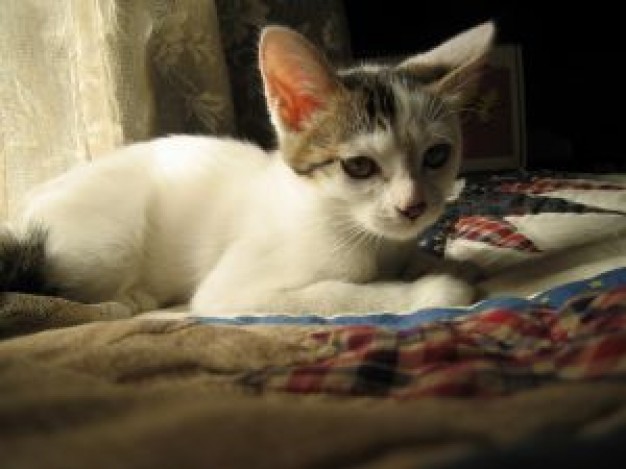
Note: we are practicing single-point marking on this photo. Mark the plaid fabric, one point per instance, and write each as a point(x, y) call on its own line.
point(497, 232)
point(494, 352)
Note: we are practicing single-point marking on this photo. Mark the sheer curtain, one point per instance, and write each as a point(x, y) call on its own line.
point(81, 77)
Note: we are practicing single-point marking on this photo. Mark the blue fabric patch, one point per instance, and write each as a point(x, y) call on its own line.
point(558, 296)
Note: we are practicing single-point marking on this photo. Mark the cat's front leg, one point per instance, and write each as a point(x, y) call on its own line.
point(338, 297)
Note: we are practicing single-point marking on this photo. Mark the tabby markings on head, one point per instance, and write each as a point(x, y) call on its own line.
point(384, 99)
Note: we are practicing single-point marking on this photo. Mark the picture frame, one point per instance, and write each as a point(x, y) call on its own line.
point(494, 123)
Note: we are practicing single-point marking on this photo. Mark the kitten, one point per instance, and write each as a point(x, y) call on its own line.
point(326, 224)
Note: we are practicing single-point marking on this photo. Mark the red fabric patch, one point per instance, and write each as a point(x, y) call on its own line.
point(497, 232)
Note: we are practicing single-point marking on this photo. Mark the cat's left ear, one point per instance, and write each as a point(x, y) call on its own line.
point(453, 67)
point(298, 80)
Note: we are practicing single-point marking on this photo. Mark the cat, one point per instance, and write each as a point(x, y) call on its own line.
point(325, 224)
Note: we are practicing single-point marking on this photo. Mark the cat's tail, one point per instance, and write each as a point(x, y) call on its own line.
point(23, 261)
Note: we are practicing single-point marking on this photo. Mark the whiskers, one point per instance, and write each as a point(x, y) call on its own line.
point(352, 238)
point(346, 235)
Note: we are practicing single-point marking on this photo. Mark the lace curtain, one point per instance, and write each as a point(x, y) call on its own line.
point(80, 77)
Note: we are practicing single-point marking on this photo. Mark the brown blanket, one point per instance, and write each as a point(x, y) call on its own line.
point(139, 393)
point(22, 313)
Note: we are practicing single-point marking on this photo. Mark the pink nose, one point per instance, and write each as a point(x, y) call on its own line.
point(412, 211)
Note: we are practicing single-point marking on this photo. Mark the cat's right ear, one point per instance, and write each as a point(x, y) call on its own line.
point(454, 67)
point(297, 78)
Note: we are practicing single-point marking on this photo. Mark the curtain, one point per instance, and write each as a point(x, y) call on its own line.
point(80, 77)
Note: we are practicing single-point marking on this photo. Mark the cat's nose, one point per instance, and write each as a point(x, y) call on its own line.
point(412, 211)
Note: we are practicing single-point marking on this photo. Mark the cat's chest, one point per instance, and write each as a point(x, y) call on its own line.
point(355, 264)
point(351, 260)
point(306, 258)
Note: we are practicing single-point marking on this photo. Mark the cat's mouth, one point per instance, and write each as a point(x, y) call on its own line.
point(400, 227)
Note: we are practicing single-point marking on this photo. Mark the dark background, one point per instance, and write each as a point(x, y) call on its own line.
point(572, 57)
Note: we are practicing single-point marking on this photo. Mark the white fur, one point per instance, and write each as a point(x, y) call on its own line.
point(222, 223)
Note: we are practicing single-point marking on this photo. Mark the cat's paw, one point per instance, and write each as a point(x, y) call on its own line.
point(442, 290)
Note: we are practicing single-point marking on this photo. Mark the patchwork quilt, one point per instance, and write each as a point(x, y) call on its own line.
point(575, 333)
point(500, 220)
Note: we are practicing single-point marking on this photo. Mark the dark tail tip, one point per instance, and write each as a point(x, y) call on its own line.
point(22, 262)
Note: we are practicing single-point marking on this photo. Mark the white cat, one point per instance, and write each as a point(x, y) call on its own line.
point(326, 224)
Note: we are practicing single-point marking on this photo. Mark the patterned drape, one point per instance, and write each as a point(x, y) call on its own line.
point(81, 77)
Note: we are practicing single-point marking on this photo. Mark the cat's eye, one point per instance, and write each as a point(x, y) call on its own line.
point(359, 167)
point(437, 155)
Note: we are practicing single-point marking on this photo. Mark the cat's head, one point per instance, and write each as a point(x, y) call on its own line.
point(382, 143)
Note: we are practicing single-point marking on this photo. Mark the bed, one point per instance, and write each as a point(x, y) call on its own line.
point(533, 374)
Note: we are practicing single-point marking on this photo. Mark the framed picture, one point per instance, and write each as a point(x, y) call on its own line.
point(493, 125)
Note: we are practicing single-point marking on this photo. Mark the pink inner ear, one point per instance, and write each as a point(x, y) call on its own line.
point(295, 107)
point(298, 80)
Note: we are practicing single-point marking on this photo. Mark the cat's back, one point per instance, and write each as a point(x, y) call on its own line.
point(183, 153)
point(173, 170)
point(166, 161)
point(202, 174)
point(181, 159)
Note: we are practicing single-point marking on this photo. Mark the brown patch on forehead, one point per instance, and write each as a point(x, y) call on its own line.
point(373, 91)
point(376, 93)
